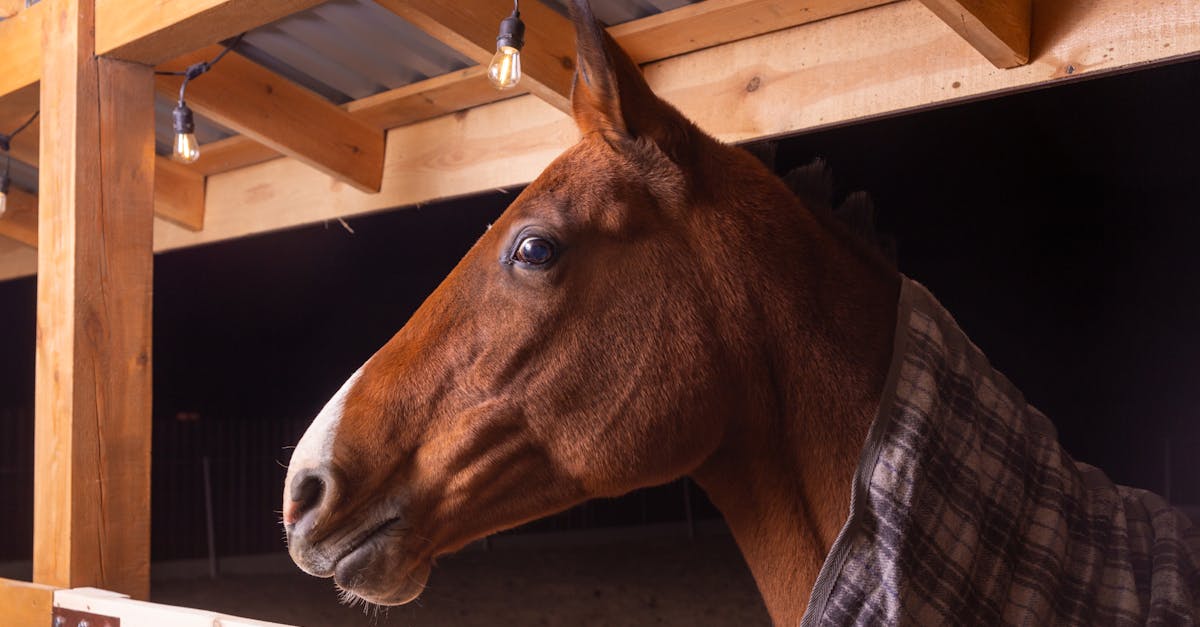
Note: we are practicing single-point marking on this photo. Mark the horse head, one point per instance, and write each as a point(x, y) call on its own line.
point(597, 338)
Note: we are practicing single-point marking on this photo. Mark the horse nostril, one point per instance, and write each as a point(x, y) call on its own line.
point(308, 488)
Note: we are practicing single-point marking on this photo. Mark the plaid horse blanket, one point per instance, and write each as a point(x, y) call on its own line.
point(965, 510)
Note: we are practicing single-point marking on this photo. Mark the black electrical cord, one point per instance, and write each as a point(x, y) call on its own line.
point(196, 69)
point(6, 140)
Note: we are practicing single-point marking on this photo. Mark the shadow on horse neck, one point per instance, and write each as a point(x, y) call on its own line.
point(656, 304)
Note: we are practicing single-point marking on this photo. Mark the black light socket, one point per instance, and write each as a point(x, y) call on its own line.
point(512, 32)
point(184, 122)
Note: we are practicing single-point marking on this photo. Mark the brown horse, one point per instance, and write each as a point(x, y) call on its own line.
point(656, 304)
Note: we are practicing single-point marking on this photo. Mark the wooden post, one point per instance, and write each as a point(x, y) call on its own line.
point(92, 437)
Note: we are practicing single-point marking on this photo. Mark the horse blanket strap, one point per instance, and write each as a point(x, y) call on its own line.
point(965, 510)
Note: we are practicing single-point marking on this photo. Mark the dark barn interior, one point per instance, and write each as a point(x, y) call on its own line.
point(1058, 225)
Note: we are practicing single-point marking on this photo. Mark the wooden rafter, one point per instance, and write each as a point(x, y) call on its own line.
point(178, 196)
point(470, 26)
point(21, 52)
point(999, 29)
point(20, 221)
point(272, 111)
point(813, 76)
point(683, 30)
point(152, 31)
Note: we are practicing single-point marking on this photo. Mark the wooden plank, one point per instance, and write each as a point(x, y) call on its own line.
point(153, 31)
point(714, 22)
point(999, 29)
point(20, 221)
point(143, 614)
point(9, 8)
point(179, 197)
point(656, 37)
point(93, 371)
point(449, 93)
point(470, 27)
point(21, 51)
point(250, 99)
point(178, 194)
point(16, 259)
point(813, 76)
point(25, 604)
point(231, 153)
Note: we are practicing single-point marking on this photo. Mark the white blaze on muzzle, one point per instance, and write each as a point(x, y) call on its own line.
point(315, 448)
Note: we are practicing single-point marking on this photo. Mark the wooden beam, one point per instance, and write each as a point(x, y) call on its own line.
point(470, 26)
point(449, 93)
point(20, 221)
point(250, 99)
point(21, 52)
point(813, 76)
point(710, 23)
point(230, 153)
point(999, 29)
point(95, 265)
point(26, 604)
point(656, 37)
point(9, 8)
point(153, 31)
point(178, 194)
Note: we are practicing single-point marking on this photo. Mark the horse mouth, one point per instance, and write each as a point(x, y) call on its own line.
point(378, 570)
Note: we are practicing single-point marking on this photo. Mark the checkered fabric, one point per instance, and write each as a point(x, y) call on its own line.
point(966, 511)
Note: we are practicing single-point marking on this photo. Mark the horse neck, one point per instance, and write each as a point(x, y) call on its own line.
point(824, 308)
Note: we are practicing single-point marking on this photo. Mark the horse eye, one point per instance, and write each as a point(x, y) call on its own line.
point(534, 251)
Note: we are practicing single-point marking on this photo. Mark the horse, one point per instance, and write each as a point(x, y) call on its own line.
point(657, 304)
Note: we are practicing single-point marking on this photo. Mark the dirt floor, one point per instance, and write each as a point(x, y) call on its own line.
point(672, 581)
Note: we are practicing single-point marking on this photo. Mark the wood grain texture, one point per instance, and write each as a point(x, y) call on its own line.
point(21, 51)
point(999, 29)
point(470, 27)
point(25, 604)
point(230, 153)
point(9, 8)
point(20, 221)
point(250, 99)
point(93, 373)
point(812, 76)
point(714, 22)
point(178, 194)
point(153, 31)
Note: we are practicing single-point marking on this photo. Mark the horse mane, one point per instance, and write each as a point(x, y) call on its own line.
point(813, 185)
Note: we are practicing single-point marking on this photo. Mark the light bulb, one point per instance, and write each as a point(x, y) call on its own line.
point(505, 70)
point(187, 149)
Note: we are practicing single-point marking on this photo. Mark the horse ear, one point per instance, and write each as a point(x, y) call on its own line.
point(610, 95)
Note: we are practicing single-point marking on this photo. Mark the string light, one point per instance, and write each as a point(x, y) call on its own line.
point(186, 149)
point(5, 179)
point(505, 69)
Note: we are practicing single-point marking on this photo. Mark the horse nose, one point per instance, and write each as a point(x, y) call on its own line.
point(309, 488)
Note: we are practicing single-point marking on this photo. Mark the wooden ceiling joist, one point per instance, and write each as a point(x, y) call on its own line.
point(999, 29)
point(814, 76)
point(19, 222)
point(21, 52)
point(679, 31)
point(714, 22)
point(250, 99)
point(178, 190)
point(153, 31)
point(470, 27)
